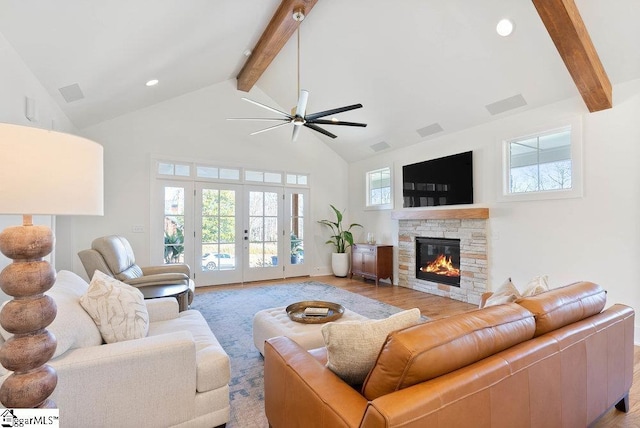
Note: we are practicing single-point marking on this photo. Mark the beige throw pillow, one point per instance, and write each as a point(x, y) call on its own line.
point(353, 346)
point(117, 308)
point(537, 285)
point(506, 293)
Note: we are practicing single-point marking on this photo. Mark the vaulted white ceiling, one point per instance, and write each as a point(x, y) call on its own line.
point(411, 63)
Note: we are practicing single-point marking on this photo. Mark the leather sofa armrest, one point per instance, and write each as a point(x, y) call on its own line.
point(162, 309)
point(159, 279)
point(298, 388)
point(168, 268)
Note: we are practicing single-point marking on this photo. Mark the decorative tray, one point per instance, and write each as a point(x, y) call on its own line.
point(296, 311)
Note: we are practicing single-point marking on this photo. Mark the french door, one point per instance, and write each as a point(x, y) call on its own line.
point(263, 237)
point(230, 233)
point(218, 233)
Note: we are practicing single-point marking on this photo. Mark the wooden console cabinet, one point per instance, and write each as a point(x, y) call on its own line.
point(372, 261)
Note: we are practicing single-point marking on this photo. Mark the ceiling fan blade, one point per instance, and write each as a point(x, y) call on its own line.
point(264, 119)
point(296, 131)
point(320, 130)
point(320, 114)
point(336, 122)
point(270, 128)
point(267, 107)
point(302, 103)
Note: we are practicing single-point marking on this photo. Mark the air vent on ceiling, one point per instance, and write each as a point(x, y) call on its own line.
point(378, 147)
point(506, 104)
point(434, 128)
point(71, 93)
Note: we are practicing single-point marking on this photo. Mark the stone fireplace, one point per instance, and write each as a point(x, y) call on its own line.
point(444, 228)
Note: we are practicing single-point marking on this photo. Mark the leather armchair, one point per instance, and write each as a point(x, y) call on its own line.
point(114, 256)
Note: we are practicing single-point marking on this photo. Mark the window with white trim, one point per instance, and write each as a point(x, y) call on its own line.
point(379, 193)
point(545, 165)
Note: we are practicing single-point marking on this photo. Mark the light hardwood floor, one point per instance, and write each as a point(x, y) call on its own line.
point(438, 307)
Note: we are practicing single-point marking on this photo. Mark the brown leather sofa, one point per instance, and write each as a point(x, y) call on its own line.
point(556, 359)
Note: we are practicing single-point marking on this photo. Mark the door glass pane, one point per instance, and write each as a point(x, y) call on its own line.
point(263, 229)
point(218, 230)
point(256, 203)
point(271, 204)
point(173, 225)
point(297, 229)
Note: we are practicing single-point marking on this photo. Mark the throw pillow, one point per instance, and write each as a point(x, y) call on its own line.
point(506, 293)
point(117, 308)
point(353, 346)
point(536, 286)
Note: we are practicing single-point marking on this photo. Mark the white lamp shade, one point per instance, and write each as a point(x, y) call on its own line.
point(48, 172)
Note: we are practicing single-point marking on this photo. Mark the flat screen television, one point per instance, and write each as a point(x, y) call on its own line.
point(442, 181)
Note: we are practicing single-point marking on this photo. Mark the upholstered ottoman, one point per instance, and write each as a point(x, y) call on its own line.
point(275, 322)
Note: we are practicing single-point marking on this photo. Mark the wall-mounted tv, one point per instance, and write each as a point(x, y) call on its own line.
point(442, 181)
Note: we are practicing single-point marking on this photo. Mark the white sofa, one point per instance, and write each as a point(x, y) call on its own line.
point(177, 376)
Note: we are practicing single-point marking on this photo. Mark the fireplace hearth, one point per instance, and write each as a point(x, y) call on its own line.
point(438, 260)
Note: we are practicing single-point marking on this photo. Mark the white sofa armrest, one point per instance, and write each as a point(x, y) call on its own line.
point(162, 309)
point(148, 382)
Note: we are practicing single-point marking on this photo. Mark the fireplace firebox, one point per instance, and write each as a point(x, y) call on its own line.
point(438, 260)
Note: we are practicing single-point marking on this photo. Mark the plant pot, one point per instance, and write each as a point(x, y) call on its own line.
point(340, 264)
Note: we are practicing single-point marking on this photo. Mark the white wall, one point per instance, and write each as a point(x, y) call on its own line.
point(194, 126)
point(594, 238)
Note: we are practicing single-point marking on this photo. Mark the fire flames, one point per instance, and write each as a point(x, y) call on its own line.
point(441, 266)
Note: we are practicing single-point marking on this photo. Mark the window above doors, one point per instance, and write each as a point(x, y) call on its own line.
point(204, 172)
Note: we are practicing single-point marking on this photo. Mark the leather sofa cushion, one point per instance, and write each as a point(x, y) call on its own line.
point(426, 351)
point(565, 305)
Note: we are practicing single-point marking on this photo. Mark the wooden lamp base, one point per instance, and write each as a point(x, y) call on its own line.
point(26, 316)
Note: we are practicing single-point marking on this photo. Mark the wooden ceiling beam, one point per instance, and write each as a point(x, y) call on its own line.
point(569, 34)
point(275, 36)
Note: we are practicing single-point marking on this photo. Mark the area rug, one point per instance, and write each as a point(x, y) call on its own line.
point(230, 316)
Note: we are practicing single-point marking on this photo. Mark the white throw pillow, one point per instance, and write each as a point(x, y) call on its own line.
point(506, 293)
point(536, 286)
point(117, 308)
point(353, 346)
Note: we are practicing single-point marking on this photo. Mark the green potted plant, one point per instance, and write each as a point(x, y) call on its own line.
point(341, 239)
point(297, 249)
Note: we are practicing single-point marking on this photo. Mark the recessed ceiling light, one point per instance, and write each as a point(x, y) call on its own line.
point(504, 27)
point(152, 82)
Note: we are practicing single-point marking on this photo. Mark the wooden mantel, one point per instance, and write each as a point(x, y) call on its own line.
point(436, 214)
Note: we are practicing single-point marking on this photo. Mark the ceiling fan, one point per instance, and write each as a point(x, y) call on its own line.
point(300, 118)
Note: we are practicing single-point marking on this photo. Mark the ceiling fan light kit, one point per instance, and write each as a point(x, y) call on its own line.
point(299, 118)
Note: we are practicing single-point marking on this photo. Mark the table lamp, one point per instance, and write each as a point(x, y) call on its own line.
point(49, 173)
